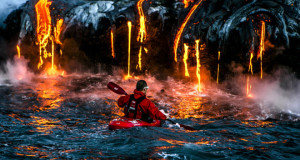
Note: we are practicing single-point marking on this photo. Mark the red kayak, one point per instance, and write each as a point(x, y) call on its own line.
point(123, 123)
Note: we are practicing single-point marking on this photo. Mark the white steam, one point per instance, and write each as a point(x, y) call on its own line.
point(16, 71)
point(7, 6)
point(280, 93)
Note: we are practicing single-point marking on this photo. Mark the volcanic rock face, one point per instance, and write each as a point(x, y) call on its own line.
point(230, 26)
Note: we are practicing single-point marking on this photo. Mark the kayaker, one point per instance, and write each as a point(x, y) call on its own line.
point(137, 106)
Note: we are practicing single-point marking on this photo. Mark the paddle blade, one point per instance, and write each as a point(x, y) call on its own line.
point(183, 126)
point(116, 88)
point(187, 127)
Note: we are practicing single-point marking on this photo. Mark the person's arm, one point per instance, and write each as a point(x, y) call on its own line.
point(122, 101)
point(155, 113)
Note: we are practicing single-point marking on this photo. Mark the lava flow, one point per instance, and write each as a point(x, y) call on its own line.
point(43, 28)
point(57, 31)
point(140, 58)
point(262, 46)
point(19, 52)
point(129, 43)
point(142, 33)
point(112, 43)
point(185, 58)
point(249, 87)
point(198, 64)
point(179, 33)
point(187, 3)
point(219, 56)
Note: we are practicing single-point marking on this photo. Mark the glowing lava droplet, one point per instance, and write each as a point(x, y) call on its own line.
point(198, 65)
point(185, 58)
point(19, 51)
point(262, 46)
point(179, 33)
point(112, 43)
point(129, 43)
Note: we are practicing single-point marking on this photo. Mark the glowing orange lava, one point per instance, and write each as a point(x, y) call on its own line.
point(19, 51)
point(249, 87)
point(185, 58)
point(142, 33)
point(57, 31)
point(140, 58)
point(179, 33)
point(198, 65)
point(43, 28)
point(250, 64)
point(112, 43)
point(219, 56)
point(129, 42)
point(262, 46)
point(187, 3)
point(52, 62)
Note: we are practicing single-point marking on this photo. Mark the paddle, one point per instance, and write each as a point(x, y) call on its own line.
point(117, 89)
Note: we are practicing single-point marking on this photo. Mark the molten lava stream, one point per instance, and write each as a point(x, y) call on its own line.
point(262, 46)
point(185, 58)
point(129, 43)
point(57, 31)
point(249, 87)
point(179, 33)
point(19, 51)
point(140, 58)
point(218, 72)
point(198, 65)
point(142, 32)
point(43, 28)
point(112, 43)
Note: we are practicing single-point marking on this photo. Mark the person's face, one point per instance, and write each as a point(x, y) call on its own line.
point(145, 90)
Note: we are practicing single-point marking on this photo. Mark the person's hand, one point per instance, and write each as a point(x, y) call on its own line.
point(166, 114)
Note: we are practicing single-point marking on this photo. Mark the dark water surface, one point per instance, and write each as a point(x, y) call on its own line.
point(67, 118)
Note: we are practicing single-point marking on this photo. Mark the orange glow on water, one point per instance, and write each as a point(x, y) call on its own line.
point(57, 31)
point(185, 58)
point(112, 43)
point(142, 32)
point(180, 31)
point(129, 43)
point(198, 65)
point(19, 51)
point(262, 46)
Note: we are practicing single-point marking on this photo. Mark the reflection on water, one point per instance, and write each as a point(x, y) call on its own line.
point(67, 118)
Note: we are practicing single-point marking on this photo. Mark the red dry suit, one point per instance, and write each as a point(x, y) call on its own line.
point(144, 108)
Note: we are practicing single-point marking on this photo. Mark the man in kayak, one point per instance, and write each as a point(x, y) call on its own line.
point(137, 106)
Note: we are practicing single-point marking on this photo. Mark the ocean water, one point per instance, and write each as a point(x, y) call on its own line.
point(67, 118)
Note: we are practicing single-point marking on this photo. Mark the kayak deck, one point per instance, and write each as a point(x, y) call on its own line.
point(123, 123)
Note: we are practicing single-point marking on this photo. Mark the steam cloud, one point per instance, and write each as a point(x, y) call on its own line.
point(16, 71)
point(280, 93)
point(7, 6)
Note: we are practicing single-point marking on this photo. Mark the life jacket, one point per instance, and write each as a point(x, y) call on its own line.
point(132, 108)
